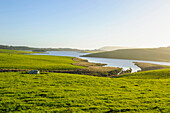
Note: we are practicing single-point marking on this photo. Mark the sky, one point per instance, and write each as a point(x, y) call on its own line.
point(85, 24)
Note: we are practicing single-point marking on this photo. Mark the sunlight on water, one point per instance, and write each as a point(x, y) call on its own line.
point(125, 64)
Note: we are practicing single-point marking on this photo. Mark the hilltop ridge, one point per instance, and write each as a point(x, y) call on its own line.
point(152, 54)
point(111, 48)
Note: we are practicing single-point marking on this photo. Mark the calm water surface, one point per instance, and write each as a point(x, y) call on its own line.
point(125, 64)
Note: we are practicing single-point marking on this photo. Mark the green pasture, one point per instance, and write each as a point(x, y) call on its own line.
point(152, 54)
point(70, 93)
point(11, 59)
point(142, 92)
point(153, 74)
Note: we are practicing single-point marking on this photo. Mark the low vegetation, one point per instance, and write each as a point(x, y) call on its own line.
point(149, 66)
point(11, 59)
point(98, 71)
point(36, 49)
point(152, 54)
point(54, 92)
point(83, 62)
point(14, 52)
point(141, 92)
point(94, 69)
point(152, 74)
point(125, 71)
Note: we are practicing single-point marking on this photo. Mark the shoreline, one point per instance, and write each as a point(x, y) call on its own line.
point(149, 66)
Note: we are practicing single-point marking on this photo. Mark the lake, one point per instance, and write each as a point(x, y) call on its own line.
point(123, 63)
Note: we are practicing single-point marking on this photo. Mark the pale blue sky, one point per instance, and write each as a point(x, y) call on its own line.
point(85, 23)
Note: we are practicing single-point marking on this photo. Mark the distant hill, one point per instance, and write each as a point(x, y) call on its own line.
point(36, 49)
point(152, 54)
point(111, 48)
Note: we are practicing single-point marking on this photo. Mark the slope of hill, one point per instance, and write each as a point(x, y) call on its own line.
point(72, 93)
point(111, 48)
point(152, 54)
point(36, 49)
point(60, 92)
point(149, 66)
point(13, 59)
point(152, 74)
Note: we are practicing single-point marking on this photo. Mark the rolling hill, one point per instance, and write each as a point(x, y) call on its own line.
point(37, 49)
point(111, 48)
point(152, 54)
point(13, 59)
point(73, 93)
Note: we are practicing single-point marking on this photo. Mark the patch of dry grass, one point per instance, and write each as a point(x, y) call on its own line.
point(83, 62)
point(149, 66)
point(95, 69)
point(100, 69)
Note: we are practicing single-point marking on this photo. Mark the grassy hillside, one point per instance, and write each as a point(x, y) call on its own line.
point(68, 93)
point(155, 54)
point(149, 66)
point(54, 92)
point(11, 59)
point(154, 74)
point(14, 51)
point(111, 48)
point(36, 49)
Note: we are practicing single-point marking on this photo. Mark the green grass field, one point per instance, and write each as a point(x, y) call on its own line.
point(154, 54)
point(149, 66)
point(15, 51)
point(11, 59)
point(143, 92)
point(54, 92)
point(153, 74)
